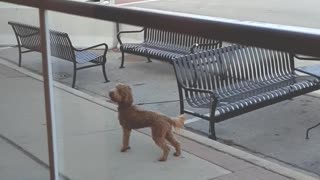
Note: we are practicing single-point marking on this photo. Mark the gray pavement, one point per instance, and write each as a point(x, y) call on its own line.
point(89, 138)
point(18, 166)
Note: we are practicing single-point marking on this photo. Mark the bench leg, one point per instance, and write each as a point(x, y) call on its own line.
point(212, 130)
point(122, 60)
point(104, 72)
point(181, 99)
point(181, 107)
point(74, 75)
point(307, 132)
point(20, 54)
point(149, 60)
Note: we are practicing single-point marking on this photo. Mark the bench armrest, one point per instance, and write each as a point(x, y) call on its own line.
point(200, 90)
point(312, 70)
point(88, 48)
point(194, 46)
point(212, 93)
point(213, 99)
point(307, 58)
point(125, 32)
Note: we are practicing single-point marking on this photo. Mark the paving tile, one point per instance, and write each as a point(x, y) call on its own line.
point(10, 73)
point(97, 156)
point(15, 165)
point(23, 113)
point(222, 159)
point(252, 173)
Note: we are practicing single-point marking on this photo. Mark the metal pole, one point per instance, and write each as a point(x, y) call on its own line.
point(115, 43)
point(48, 92)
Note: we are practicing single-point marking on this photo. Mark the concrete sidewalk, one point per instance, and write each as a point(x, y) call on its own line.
point(89, 139)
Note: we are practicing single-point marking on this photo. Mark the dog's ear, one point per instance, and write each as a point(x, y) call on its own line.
point(126, 94)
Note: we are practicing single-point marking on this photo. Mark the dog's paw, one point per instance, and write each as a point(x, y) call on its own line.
point(124, 149)
point(162, 159)
point(177, 154)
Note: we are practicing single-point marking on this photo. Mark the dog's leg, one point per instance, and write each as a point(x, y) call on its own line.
point(161, 142)
point(174, 143)
point(125, 140)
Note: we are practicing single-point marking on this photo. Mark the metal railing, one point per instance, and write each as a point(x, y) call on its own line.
point(280, 37)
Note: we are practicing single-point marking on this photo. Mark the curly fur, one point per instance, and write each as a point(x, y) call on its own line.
point(131, 117)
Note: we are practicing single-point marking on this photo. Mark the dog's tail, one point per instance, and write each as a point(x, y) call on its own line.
point(178, 122)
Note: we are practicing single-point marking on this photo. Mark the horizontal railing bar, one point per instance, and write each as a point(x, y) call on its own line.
point(280, 37)
point(30, 3)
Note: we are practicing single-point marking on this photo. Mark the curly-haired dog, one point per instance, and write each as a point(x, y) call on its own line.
point(131, 117)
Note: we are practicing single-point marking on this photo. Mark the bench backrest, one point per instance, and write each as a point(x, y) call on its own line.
point(178, 41)
point(29, 37)
point(232, 67)
point(61, 46)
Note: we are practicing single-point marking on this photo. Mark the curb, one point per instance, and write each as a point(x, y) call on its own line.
point(258, 161)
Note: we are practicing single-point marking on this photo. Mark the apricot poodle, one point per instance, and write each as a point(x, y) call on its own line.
point(131, 117)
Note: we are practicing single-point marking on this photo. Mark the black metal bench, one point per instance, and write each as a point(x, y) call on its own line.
point(28, 37)
point(234, 80)
point(165, 45)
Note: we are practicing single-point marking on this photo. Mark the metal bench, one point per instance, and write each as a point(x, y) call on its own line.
point(237, 79)
point(28, 37)
point(165, 45)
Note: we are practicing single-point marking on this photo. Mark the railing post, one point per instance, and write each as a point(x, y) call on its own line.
point(115, 42)
point(48, 94)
